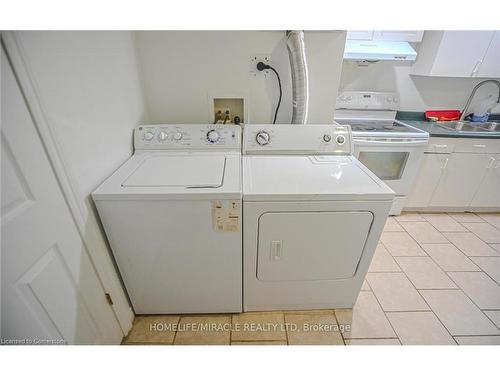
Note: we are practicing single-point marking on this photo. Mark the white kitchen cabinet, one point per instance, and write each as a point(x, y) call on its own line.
point(488, 194)
point(427, 179)
point(360, 35)
point(490, 66)
point(455, 53)
point(461, 177)
point(399, 35)
point(386, 35)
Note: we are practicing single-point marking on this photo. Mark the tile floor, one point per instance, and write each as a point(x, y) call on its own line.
point(434, 279)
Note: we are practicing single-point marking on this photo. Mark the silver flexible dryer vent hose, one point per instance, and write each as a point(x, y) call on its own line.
point(300, 76)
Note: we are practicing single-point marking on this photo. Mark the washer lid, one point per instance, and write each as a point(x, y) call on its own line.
point(181, 171)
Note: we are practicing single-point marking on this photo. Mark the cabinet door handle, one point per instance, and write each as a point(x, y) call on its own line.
point(492, 161)
point(445, 164)
point(476, 68)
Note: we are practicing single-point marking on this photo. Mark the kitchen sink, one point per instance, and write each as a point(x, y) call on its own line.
point(470, 127)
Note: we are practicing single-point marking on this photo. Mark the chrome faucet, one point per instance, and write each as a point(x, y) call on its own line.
point(464, 112)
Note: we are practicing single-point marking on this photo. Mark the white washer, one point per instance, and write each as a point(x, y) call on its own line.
point(313, 215)
point(172, 214)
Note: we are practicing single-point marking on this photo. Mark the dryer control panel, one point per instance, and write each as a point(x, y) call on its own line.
point(187, 137)
point(307, 139)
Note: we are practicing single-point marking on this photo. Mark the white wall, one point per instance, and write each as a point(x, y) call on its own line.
point(418, 93)
point(182, 69)
point(88, 87)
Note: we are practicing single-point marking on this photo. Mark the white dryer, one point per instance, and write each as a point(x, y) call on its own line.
point(313, 215)
point(172, 215)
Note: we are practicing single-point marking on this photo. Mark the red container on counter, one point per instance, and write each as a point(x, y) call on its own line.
point(443, 115)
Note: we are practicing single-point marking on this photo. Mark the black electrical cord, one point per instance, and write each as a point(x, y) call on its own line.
point(261, 66)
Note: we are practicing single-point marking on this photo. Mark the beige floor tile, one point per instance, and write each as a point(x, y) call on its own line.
point(490, 265)
point(466, 217)
point(423, 232)
point(479, 287)
point(449, 258)
point(409, 216)
point(495, 246)
point(152, 329)
point(478, 340)
point(391, 225)
point(493, 219)
point(444, 223)
point(485, 231)
point(365, 287)
point(313, 329)
point(316, 311)
point(419, 328)
point(458, 314)
point(401, 244)
point(372, 342)
point(259, 343)
point(383, 261)
point(259, 326)
point(204, 330)
point(365, 320)
point(395, 292)
point(494, 316)
point(470, 244)
point(424, 273)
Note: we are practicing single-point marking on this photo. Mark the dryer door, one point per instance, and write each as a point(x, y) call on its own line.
point(311, 245)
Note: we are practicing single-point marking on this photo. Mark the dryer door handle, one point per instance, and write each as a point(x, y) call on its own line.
point(276, 250)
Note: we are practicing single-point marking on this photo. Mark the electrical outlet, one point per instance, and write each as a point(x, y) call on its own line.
point(254, 60)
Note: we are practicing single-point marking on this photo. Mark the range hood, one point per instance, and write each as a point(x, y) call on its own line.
point(374, 50)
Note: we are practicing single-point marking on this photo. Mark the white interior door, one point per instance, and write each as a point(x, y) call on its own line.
point(50, 290)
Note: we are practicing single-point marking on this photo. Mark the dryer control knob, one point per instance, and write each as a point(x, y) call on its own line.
point(162, 136)
point(149, 135)
point(213, 136)
point(262, 138)
point(340, 139)
point(178, 136)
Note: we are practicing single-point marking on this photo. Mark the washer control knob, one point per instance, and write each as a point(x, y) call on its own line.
point(163, 136)
point(213, 136)
point(340, 139)
point(149, 135)
point(177, 136)
point(262, 138)
point(327, 137)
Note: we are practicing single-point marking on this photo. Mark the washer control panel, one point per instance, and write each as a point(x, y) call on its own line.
point(332, 139)
point(181, 137)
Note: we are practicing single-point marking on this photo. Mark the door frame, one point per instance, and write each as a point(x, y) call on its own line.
point(102, 262)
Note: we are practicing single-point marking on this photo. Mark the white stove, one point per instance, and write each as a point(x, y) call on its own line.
point(390, 148)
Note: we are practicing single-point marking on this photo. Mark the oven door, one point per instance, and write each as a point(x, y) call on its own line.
point(393, 160)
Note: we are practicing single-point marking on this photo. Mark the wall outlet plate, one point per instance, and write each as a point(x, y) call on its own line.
point(254, 60)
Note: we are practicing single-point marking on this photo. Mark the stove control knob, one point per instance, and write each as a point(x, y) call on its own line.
point(149, 135)
point(340, 139)
point(163, 136)
point(327, 137)
point(262, 138)
point(177, 136)
point(213, 136)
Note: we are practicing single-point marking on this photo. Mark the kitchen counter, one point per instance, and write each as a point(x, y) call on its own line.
point(435, 130)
